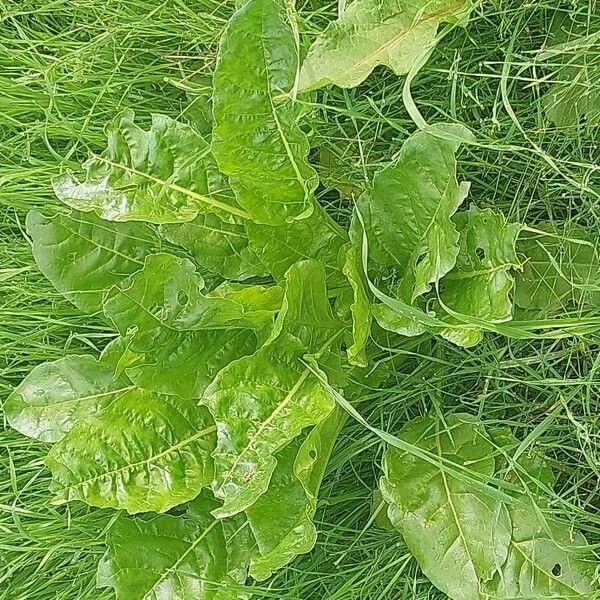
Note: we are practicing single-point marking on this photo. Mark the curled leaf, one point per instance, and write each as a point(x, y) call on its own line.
point(162, 175)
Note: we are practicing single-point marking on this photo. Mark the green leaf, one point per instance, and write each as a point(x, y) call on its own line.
point(458, 533)
point(168, 296)
point(407, 213)
point(57, 395)
point(548, 561)
point(360, 307)
point(572, 51)
point(146, 452)
point(546, 558)
point(481, 282)
point(159, 176)
point(257, 141)
point(282, 518)
point(185, 363)
point(317, 236)
point(394, 33)
point(220, 246)
point(560, 271)
point(306, 312)
point(183, 336)
point(83, 256)
point(168, 557)
point(260, 404)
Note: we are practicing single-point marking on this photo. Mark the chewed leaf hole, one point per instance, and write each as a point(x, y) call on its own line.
point(480, 252)
point(557, 570)
point(182, 298)
point(313, 454)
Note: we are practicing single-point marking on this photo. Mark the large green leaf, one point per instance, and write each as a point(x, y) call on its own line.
point(162, 175)
point(546, 558)
point(318, 237)
point(458, 533)
point(83, 256)
point(168, 296)
point(146, 452)
point(183, 336)
point(481, 282)
point(257, 140)
point(169, 557)
point(55, 396)
point(407, 213)
point(185, 363)
point(395, 33)
point(561, 271)
point(548, 561)
point(220, 246)
point(282, 518)
point(260, 404)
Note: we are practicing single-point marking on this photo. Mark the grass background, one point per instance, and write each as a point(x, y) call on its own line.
point(68, 66)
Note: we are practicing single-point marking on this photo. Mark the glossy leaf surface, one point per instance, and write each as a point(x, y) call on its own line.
point(407, 214)
point(168, 557)
point(481, 283)
point(395, 33)
point(83, 256)
point(162, 175)
point(316, 237)
point(282, 518)
point(56, 396)
point(260, 404)
point(183, 336)
point(146, 452)
point(168, 295)
point(257, 141)
point(220, 246)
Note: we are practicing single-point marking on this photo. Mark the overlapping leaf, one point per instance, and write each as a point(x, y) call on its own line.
point(516, 549)
point(183, 336)
point(281, 519)
point(145, 452)
point(56, 396)
point(315, 237)
point(395, 33)
point(407, 213)
point(186, 557)
point(412, 241)
point(168, 295)
point(83, 256)
point(481, 282)
point(257, 141)
point(560, 271)
point(220, 246)
point(163, 175)
point(262, 402)
point(572, 52)
point(458, 533)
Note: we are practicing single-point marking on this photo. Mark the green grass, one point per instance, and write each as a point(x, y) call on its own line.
point(68, 66)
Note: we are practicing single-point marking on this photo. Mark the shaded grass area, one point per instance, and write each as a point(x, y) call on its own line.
point(67, 67)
